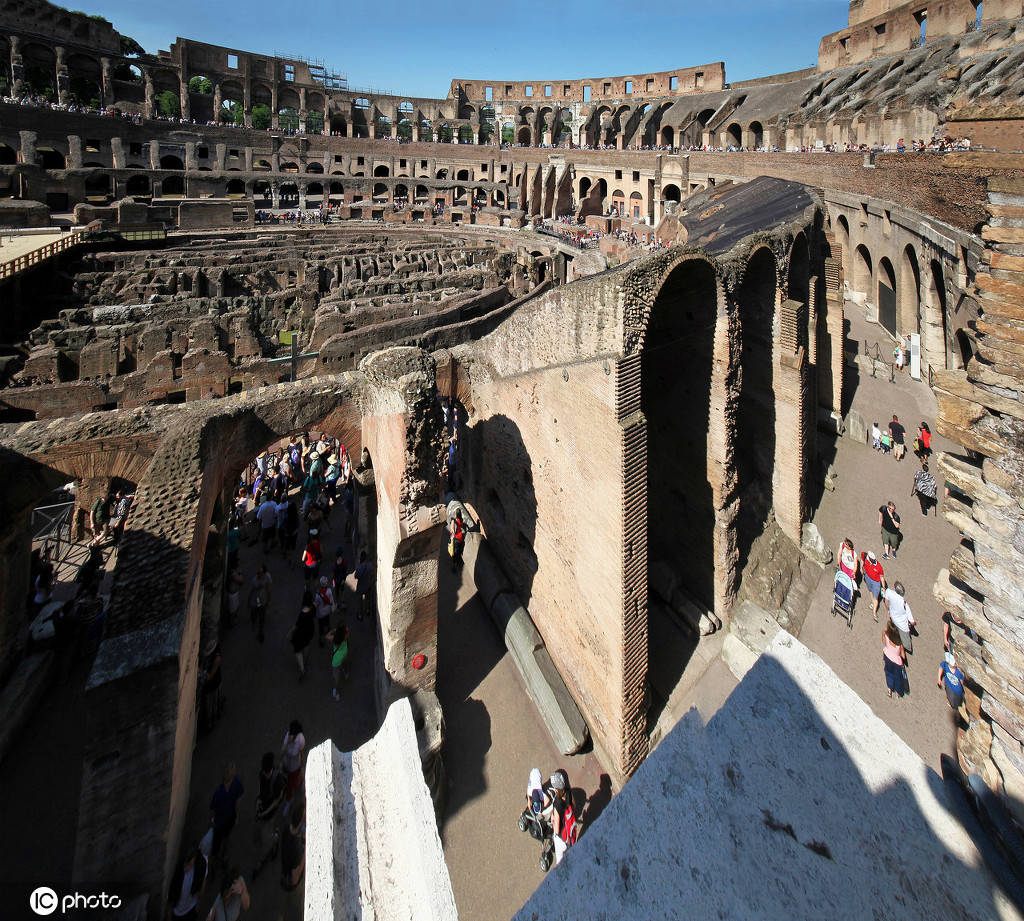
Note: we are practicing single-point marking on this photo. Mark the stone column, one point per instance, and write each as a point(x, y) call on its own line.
point(154, 154)
point(117, 153)
point(190, 156)
point(221, 157)
point(150, 103)
point(275, 194)
point(29, 154)
point(248, 159)
point(303, 111)
point(274, 122)
point(401, 398)
point(61, 80)
point(17, 67)
point(107, 87)
point(74, 152)
point(186, 102)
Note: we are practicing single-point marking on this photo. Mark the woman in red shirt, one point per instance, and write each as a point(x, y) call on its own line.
point(923, 443)
point(874, 578)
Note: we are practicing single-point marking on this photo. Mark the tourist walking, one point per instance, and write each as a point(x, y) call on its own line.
point(457, 542)
point(889, 522)
point(302, 633)
point(232, 900)
point(324, 601)
point(874, 579)
point(99, 518)
point(952, 678)
point(949, 636)
point(847, 559)
point(187, 885)
point(311, 555)
point(259, 599)
point(925, 488)
point(923, 442)
point(894, 658)
point(224, 807)
point(364, 584)
point(900, 614)
point(899, 433)
point(291, 761)
point(293, 848)
point(339, 658)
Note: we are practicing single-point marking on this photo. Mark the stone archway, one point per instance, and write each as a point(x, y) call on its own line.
point(909, 293)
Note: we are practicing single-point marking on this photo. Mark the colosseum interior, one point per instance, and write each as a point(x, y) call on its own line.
point(635, 327)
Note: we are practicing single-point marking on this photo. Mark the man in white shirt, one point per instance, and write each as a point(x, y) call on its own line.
point(899, 614)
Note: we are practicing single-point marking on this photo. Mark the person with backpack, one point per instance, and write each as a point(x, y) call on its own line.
point(925, 488)
point(564, 822)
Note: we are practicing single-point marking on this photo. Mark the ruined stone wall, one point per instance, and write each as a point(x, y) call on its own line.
point(981, 409)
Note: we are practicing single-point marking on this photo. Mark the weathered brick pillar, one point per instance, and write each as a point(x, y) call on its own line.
point(29, 154)
point(789, 443)
point(403, 431)
point(74, 152)
point(117, 153)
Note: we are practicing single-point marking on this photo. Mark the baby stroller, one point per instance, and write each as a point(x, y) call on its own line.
point(536, 817)
point(842, 597)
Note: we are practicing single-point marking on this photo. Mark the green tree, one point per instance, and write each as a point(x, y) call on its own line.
point(508, 134)
point(261, 116)
point(167, 104)
point(200, 85)
point(131, 48)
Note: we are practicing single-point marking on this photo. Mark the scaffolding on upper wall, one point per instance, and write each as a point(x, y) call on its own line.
point(327, 77)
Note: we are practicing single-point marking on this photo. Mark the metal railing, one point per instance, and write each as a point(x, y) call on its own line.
point(877, 359)
point(13, 266)
point(52, 532)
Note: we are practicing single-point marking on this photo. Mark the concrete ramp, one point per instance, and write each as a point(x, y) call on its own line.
point(795, 801)
point(372, 847)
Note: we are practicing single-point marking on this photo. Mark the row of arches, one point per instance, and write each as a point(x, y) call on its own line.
point(909, 294)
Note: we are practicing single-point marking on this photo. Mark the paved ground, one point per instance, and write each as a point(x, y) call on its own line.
point(866, 480)
point(13, 245)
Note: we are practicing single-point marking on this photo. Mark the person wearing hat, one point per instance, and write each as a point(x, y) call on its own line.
point(953, 679)
point(316, 464)
point(874, 579)
point(331, 477)
point(900, 614)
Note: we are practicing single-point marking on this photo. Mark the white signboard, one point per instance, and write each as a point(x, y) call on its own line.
point(915, 356)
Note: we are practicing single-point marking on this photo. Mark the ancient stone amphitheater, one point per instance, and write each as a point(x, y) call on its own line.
point(574, 263)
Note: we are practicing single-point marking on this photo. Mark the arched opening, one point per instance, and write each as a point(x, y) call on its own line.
point(843, 242)
point(138, 186)
point(934, 332)
point(442, 174)
point(85, 81)
point(756, 134)
point(734, 136)
point(289, 195)
point(862, 272)
point(668, 136)
point(404, 130)
point(401, 194)
point(314, 167)
point(380, 192)
point(444, 133)
point(671, 193)
point(381, 171)
point(8, 156)
point(289, 167)
point(964, 347)
point(676, 368)
point(426, 131)
point(261, 190)
point(460, 195)
point(172, 187)
point(169, 161)
point(235, 188)
point(361, 117)
point(97, 188)
point(523, 137)
point(422, 194)
point(618, 203)
point(465, 134)
point(261, 165)
point(887, 295)
point(585, 184)
point(314, 194)
point(50, 158)
point(39, 73)
point(288, 118)
point(383, 126)
point(799, 281)
point(462, 176)
point(336, 189)
point(339, 125)
point(910, 293)
point(754, 442)
point(636, 205)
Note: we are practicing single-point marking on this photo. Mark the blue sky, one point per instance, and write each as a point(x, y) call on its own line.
point(415, 48)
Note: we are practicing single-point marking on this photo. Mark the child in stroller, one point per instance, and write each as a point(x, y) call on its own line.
point(550, 816)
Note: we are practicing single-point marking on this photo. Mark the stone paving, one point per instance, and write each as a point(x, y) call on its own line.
point(866, 479)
